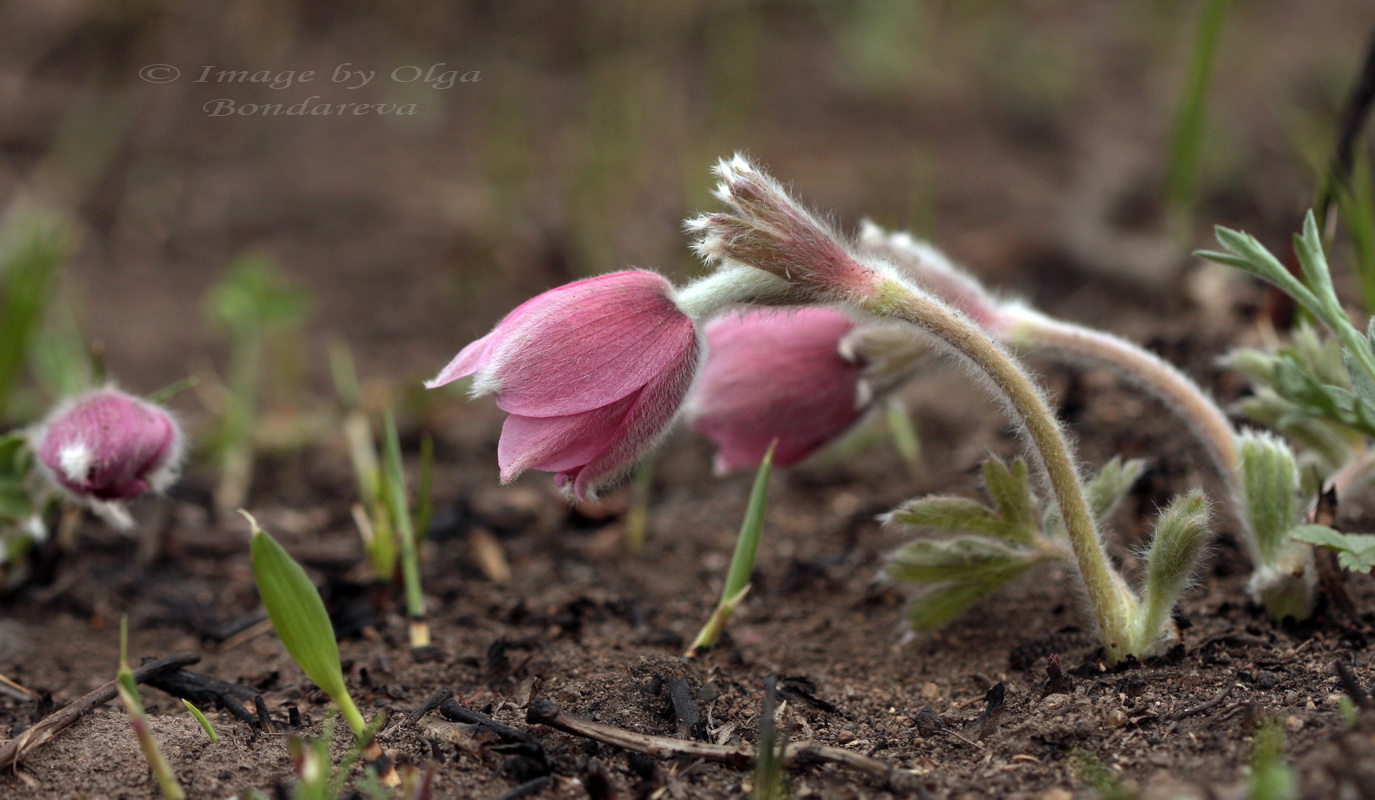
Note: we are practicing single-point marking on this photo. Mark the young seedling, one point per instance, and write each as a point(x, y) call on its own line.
point(202, 721)
point(741, 562)
point(302, 623)
point(250, 304)
point(1271, 778)
point(1321, 394)
point(138, 720)
point(319, 779)
point(770, 778)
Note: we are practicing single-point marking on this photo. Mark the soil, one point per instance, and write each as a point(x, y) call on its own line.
point(394, 231)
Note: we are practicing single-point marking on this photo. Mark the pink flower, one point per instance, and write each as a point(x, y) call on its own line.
point(591, 373)
point(777, 375)
point(107, 445)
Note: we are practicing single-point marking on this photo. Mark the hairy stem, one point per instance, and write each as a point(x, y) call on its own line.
point(1114, 605)
point(1143, 368)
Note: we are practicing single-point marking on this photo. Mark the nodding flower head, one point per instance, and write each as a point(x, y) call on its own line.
point(772, 232)
point(794, 376)
point(591, 375)
point(106, 445)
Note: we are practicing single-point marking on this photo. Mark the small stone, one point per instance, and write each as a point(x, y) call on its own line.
point(1117, 718)
point(1293, 724)
point(845, 737)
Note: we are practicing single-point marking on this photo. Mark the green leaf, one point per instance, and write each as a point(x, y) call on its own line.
point(1270, 488)
point(1355, 551)
point(942, 603)
point(1181, 533)
point(964, 559)
point(1009, 487)
point(952, 514)
point(1106, 490)
point(299, 616)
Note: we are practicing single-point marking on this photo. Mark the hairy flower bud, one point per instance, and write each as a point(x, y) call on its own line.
point(771, 231)
point(107, 445)
point(591, 374)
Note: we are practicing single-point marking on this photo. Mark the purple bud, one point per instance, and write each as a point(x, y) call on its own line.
point(108, 445)
point(591, 373)
point(777, 375)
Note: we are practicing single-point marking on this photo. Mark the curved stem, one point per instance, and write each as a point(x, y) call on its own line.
point(1114, 605)
point(1143, 368)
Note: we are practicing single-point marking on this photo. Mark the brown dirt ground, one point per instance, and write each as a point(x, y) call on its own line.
point(385, 227)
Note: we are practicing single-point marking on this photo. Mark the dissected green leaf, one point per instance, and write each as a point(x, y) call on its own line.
point(1355, 551)
point(1012, 518)
point(1332, 443)
point(1106, 490)
point(965, 559)
point(1270, 488)
point(951, 514)
point(942, 603)
point(1009, 487)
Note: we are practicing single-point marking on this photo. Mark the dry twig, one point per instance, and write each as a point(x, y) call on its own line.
point(16, 749)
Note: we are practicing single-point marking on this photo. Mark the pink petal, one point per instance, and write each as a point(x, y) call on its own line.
point(476, 355)
point(555, 444)
point(589, 344)
point(469, 360)
point(644, 425)
point(771, 376)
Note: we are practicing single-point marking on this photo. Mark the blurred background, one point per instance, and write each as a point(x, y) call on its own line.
point(522, 144)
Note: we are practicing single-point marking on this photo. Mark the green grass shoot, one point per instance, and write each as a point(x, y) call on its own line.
point(374, 519)
point(904, 434)
point(129, 695)
point(1271, 778)
point(742, 562)
point(251, 303)
point(201, 719)
point(770, 777)
point(33, 249)
point(1186, 137)
point(395, 482)
point(637, 516)
point(299, 616)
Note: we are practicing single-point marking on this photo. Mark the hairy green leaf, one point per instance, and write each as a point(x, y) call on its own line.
point(1009, 487)
point(951, 514)
point(942, 603)
point(1270, 488)
point(1106, 490)
point(966, 559)
point(1181, 533)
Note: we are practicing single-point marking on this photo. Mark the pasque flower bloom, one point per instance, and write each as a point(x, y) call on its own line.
point(591, 375)
point(785, 375)
point(107, 445)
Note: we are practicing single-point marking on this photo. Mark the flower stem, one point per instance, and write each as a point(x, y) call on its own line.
point(1114, 605)
point(1142, 367)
